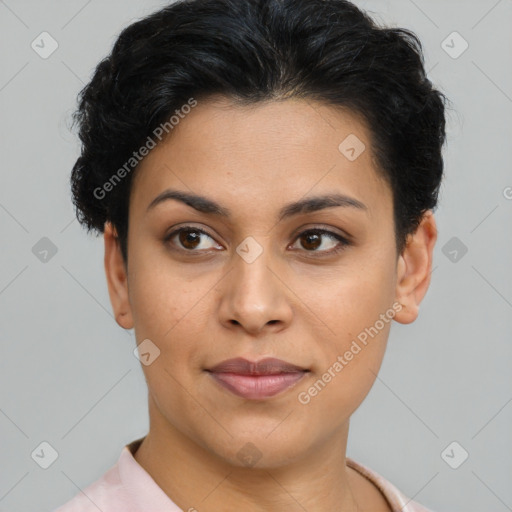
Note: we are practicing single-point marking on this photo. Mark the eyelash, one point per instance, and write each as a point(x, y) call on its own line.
point(344, 242)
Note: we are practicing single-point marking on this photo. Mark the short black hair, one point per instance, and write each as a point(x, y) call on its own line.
point(253, 51)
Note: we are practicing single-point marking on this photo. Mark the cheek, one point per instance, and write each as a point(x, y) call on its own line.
point(351, 298)
point(172, 313)
point(161, 295)
point(340, 385)
point(356, 305)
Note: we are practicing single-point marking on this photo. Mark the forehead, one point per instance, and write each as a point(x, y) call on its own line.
point(270, 152)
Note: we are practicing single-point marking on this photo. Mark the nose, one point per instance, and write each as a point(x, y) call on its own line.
point(255, 297)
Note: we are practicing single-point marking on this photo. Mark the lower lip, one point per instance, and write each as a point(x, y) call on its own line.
point(257, 387)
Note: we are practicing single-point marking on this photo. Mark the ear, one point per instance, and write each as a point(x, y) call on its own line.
point(117, 278)
point(414, 269)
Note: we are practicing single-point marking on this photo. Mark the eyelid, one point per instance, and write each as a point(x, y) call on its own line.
point(176, 229)
point(325, 229)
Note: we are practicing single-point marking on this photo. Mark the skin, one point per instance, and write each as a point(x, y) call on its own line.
point(291, 303)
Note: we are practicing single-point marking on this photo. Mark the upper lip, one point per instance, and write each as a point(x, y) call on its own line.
point(267, 366)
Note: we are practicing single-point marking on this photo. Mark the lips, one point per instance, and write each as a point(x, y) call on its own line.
point(256, 380)
point(267, 366)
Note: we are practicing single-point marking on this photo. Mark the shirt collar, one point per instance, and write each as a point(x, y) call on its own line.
point(142, 491)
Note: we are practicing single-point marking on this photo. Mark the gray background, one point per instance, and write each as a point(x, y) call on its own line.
point(68, 375)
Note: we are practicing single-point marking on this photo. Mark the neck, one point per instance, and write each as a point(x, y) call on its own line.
point(197, 478)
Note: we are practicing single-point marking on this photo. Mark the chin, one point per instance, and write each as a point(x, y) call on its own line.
point(261, 448)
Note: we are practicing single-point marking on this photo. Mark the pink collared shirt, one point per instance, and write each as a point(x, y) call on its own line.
point(128, 487)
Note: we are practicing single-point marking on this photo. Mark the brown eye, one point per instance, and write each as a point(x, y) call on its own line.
point(314, 239)
point(311, 240)
point(190, 239)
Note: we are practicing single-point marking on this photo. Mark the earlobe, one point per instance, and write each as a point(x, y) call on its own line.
point(117, 279)
point(414, 269)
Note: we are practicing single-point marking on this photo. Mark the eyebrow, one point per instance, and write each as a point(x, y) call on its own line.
point(310, 204)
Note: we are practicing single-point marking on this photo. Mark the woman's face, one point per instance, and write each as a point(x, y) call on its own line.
point(272, 274)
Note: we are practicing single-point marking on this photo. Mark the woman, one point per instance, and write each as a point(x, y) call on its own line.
point(264, 173)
